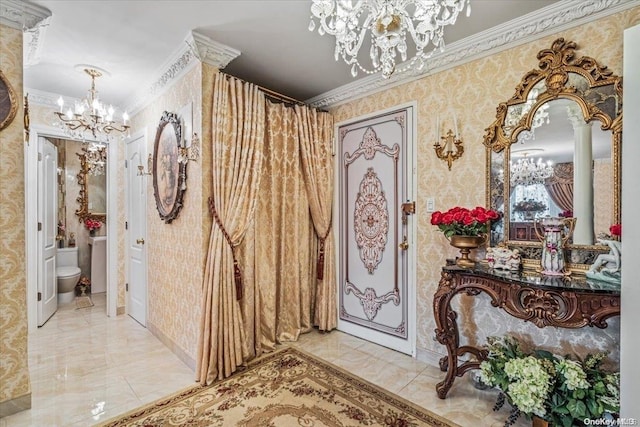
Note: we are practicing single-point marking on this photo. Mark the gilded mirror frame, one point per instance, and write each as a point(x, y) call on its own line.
point(556, 65)
point(83, 212)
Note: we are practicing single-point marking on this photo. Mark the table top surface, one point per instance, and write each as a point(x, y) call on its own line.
point(574, 282)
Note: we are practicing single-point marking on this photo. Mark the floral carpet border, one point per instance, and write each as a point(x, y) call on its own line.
point(401, 405)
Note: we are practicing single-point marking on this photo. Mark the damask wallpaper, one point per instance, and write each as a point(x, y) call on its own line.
point(15, 392)
point(472, 92)
point(175, 251)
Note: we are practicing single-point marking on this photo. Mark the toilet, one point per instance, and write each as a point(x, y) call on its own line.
point(67, 273)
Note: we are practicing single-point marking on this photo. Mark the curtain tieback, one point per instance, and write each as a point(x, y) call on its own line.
point(237, 275)
point(320, 264)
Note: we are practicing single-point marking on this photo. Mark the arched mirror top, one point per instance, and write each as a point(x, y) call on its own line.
point(592, 86)
point(540, 121)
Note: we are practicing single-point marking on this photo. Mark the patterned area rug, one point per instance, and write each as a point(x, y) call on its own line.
point(285, 388)
point(83, 302)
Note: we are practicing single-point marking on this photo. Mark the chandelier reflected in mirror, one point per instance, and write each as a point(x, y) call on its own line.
point(388, 22)
point(96, 157)
point(90, 119)
point(514, 115)
point(526, 171)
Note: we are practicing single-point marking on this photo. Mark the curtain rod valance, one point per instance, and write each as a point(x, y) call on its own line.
point(271, 93)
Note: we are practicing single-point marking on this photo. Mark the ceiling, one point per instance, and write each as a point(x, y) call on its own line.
point(133, 41)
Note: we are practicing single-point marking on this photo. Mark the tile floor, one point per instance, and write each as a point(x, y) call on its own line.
point(86, 368)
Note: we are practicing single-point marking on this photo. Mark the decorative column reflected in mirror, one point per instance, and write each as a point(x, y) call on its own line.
point(582, 176)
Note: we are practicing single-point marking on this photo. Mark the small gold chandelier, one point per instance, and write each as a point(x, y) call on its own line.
point(90, 118)
point(389, 22)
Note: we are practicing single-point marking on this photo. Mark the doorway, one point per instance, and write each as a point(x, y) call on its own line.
point(48, 229)
point(136, 195)
point(376, 227)
point(31, 222)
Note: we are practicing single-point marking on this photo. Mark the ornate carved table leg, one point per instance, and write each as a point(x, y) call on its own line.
point(446, 331)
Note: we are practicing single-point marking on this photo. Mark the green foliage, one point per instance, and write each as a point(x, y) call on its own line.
point(559, 389)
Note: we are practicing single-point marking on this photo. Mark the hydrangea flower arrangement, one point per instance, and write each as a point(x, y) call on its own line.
point(560, 390)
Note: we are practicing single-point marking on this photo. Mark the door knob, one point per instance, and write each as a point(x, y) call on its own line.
point(405, 244)
point(140, 241)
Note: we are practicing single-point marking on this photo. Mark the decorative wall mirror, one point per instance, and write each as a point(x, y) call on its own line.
point(554, 150)
point(169, 174)
point(92, 179)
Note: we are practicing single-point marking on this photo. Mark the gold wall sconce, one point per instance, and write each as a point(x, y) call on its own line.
point(141, 171)
point(192, 152)
point(450, 147)
point(185, 154)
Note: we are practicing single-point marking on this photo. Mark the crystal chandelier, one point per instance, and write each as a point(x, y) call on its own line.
point(96, 158)
point(541, 116)
point(90, 118)
point(528, 172)
point(389, 21)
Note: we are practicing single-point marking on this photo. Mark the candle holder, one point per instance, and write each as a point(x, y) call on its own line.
point(450, 149)
point(141, 171)
point(190, 153)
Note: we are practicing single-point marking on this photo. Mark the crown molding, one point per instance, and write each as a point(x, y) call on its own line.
point(171, 73)
point(50, 99)
point(32, 20)
point(21, 15)
point(32, 42)
point(210, 51)
point(549, 20)
point(46, 99)
point(196, 48)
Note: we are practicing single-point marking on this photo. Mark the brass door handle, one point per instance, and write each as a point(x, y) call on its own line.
point(140, 241)
point(405, 244)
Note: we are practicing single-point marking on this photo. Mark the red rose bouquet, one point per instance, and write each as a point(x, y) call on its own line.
point(616, 230)
point(464, 222)
point(92, 224)
point(566, 214)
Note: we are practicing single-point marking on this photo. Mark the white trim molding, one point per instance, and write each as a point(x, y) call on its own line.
point(32, 20)
point(210, 51)
point(47, 99)
point(195, 49)
point(32, 42)
point(21, 15)
point(171, 72)
point(548, 20)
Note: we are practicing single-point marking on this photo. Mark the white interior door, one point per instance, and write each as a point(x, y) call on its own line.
point(137, 230)
point(377, 293)
point(47, 229)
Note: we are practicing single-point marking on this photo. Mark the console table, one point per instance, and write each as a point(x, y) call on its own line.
point(564, 302)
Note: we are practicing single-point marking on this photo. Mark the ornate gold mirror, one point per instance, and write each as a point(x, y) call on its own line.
point(92, 180)
point(554, 150)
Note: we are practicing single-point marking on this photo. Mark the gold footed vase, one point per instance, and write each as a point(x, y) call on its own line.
point(465, 244)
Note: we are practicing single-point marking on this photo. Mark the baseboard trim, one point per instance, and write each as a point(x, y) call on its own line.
point(429, 356)
point(13, 406)
point(171, 345)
